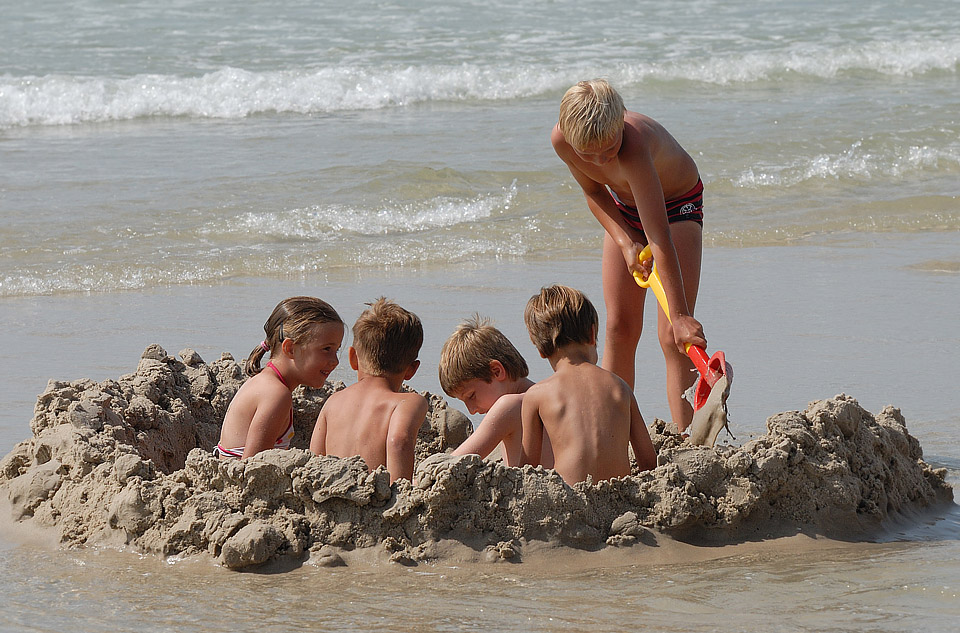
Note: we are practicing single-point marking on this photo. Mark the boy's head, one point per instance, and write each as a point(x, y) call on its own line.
point(475, 356)
point(558, 316)
point(387, 338)
point(591, 115)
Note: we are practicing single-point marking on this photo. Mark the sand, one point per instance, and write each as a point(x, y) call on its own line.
point(127, 463)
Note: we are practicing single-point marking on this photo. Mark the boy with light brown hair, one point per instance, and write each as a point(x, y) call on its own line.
point(373, 418)
point(589, 413)
point(482, 368)
point(642, 187)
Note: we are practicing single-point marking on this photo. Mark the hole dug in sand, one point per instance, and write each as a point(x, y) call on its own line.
point(127, 462)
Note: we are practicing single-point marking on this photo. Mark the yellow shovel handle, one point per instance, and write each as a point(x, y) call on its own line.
point(653, 283)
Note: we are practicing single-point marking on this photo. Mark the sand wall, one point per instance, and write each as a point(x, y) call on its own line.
point(128, 462)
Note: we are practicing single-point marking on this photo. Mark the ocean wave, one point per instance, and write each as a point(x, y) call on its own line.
point(887, 58)
point(232, 93)
point(856, 162)
point(332, 221)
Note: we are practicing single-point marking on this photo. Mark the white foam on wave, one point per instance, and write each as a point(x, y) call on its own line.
point(856, 162)
point(332, 221)
point(890, 58)
point(232, 93)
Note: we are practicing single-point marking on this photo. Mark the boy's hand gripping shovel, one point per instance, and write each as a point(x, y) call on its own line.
point(716, 374)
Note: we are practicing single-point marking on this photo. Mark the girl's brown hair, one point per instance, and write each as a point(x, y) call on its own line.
point(296, 319)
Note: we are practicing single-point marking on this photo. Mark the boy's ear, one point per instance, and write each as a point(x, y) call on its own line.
point(354, 359)
point(593, 335)
point(498, 371)
point(411, 370)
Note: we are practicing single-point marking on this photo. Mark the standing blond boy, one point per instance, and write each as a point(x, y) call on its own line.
point(642, 187)
point(372, 418)
point(482, 368)
point(589, 413)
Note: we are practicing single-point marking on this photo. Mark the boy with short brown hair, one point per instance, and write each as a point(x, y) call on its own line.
point(482, 368)
point(589, 413)
point(373, 418)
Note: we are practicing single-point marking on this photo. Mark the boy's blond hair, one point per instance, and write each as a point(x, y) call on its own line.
point(466, 355)
point(387, 338)
point(591, 114)
point(560, 315)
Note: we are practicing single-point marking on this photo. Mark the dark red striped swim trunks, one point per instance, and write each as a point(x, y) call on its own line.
point(689, 206)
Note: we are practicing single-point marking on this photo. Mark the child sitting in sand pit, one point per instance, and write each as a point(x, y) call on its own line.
point(589, 413)
point(373, 418)
point(303, 337)
point(481, 367)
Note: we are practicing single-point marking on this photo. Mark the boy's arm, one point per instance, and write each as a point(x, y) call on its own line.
point(318, 441)
point(601, 205)
point(405, 423)
point(640, 439)
point(648, 197)
point(499, 424)
point(532, 430)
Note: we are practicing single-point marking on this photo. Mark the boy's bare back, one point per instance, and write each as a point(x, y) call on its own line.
point(586, 411)
point(371, 420)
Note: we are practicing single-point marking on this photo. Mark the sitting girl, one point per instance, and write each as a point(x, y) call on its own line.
point(303, 337)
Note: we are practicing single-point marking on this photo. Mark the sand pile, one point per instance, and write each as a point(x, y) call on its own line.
point(128, 462)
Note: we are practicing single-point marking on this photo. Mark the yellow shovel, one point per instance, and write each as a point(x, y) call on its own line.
point(715, 373)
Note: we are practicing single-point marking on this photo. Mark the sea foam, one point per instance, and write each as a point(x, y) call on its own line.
point(231, 93)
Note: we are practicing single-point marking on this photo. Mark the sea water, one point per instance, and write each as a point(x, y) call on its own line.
point(169, 171)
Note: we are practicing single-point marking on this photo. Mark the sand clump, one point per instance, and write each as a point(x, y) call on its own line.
point(128, 463)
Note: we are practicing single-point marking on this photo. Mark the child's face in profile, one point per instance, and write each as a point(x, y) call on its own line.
point(479, 395)
point(320, 356)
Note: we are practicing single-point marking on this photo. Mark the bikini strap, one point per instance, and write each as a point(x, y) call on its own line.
point(279, 375)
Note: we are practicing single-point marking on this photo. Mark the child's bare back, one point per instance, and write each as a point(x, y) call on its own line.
point(374, 418)
point(586, 412)
point(371, 420)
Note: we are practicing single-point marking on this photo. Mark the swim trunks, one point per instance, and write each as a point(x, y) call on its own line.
point(689, 206)
point(282, 442)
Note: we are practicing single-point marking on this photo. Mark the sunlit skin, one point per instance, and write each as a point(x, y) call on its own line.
point(372, 419)
point(499, 400)
point(260, 412)
point(644, 165)
point(590, 415)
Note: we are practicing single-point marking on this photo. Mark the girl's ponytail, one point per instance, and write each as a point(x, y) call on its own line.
point(252, 366)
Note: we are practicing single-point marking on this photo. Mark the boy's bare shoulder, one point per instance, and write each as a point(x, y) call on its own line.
point(541, 389)
point(507, 404)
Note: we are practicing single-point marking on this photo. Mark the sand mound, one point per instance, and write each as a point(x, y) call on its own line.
point(128, 462)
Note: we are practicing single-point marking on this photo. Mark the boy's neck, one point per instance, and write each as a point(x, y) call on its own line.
point(573, 354)
point(520, 385)
point(393, 382)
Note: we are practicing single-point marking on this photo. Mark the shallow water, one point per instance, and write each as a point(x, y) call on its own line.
point(794, 585)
